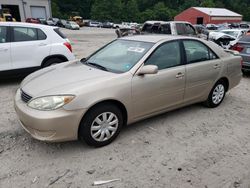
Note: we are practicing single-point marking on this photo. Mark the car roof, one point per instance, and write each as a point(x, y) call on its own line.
point(155, 38)
point(164, 22)
point(232, 30)
point(22, 24)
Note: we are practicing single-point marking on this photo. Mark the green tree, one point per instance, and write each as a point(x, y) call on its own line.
point(207, 3)
point(140, 10)
point(130, 11)
point(161, 12)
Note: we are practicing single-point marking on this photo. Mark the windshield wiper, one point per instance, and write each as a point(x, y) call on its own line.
point(97, 66)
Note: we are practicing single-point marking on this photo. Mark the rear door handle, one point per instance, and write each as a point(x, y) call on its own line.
point(3, 49)
point(179, 75)
point(216, 66)
point(42, 44)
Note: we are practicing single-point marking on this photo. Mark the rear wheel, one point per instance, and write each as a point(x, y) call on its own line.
point(52, 61)
point(216, 95)
point(101, 125)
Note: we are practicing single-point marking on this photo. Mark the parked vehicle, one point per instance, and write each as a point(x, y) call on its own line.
point(127, 32)
point(26, 47)
point(243, 47)
point(61, 23)
point(94, 24)
point(171, 28)
point(42, 21)
point(212, 27)
point(227, 38)
point(128, 80)
point(237, 33)
point(244, 26)
point(78, 20)
point(107, 25)
point(72, 25)
point(202, 31)
point(125, 25)
point(222, 39)
point(52, 21)
point(32, 20)
point(5, 15)
point(7, 18)
point(234, 25)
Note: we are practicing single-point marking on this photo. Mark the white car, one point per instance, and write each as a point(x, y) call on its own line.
point(72, 25)
point(228, 37)
point(237, 33)
point(27, 47)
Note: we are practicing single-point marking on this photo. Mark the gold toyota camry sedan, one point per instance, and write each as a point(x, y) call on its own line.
point(127, 80)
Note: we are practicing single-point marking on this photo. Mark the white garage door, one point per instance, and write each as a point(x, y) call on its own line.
point(38, 12)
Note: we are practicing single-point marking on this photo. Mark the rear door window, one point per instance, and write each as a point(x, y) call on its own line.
point(197, 52)
point(190, 29)
point(180, 27)
point(3, 34)
point(21, 34)
point(41, 35)
point(165, 29)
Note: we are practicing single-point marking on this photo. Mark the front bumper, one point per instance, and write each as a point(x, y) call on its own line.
point(51, 126)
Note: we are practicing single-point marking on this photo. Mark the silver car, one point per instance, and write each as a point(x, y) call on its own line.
point(128, 80)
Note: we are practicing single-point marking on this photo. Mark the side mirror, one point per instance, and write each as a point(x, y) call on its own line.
point(148, 69)
point(83, 60)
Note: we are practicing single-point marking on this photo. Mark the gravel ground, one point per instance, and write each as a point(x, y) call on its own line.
point(190, 147)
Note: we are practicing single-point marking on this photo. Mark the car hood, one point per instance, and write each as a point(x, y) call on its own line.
point(218, 35)
point(62, 79)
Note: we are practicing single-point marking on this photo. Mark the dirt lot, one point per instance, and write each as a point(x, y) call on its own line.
point(191, 147)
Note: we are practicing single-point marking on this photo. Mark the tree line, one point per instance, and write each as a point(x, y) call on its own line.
point(140, 10)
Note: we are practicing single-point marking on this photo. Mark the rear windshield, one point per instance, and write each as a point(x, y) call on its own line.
point(60, 33)
point(157, 28)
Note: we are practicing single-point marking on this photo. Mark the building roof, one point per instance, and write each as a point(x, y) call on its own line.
point(217, 12)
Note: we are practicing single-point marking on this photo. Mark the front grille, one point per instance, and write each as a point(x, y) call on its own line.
point(25, 97)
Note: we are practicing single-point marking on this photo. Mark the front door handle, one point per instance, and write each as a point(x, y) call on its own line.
point(179, 75)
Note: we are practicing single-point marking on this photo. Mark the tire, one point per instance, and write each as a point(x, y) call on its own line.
point(245, 73)
point(52, 61)
point(91, 132)
point(216, 95)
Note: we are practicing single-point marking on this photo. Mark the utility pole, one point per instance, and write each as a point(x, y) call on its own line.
point(50, 9)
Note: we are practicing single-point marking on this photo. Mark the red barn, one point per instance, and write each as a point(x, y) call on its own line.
point(200, 15)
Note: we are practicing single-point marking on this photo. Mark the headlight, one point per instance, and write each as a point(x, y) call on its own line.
point(50, 102)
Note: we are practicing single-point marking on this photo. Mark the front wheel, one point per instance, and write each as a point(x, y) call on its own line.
point(101, 125)
point(216, 95)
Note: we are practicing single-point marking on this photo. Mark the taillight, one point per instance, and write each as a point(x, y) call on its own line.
point(237, 47)
point(68, 45)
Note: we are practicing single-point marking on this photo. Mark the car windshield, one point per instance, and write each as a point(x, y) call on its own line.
point(119, 56)
point(232, 33)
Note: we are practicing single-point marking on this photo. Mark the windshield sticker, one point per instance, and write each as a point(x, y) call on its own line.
point(127, 66)
point(136, 49)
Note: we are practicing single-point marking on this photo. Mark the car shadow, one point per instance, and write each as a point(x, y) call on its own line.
point(11, 81)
